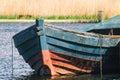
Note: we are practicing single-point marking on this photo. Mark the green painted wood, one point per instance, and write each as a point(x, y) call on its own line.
point(76, 47)
point(27, 42)
point(25, 35)
point(111, 23)
point(65, 51)
point(31, 52)
point(43, 43)
point(84, 38)
point(28, 45)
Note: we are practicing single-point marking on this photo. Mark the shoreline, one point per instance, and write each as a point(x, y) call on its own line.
point(49, 21)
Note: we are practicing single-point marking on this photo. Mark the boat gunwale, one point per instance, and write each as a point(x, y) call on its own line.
point(82, 32)
point(53, 31)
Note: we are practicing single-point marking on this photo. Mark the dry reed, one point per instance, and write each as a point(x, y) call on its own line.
point(59, 7)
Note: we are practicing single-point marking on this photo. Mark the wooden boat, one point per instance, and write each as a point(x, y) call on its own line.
point(56, 50)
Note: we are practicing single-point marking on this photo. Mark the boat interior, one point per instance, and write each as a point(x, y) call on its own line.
point(115, 31)
point(109, 33)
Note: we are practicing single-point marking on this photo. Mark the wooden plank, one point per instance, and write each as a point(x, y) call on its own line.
point(24, 36)
point(70, 52)
point(44, 50)
point(82, 38)
point(31, 52)
point(28, 45)
point(34, 59)
point(38, 65)
point(42, 38)
point(112, 36)
point(77, 47)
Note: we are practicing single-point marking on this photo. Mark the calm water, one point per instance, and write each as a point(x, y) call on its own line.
point(12, 65)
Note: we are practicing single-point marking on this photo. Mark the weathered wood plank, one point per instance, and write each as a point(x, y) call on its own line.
point(34, 59)
point(77, 47)
point(25, 35)
point(31, 52)
point(28, 45)
point(112, 36)
point(42, 38)
point(74, 53)
point(82, 38)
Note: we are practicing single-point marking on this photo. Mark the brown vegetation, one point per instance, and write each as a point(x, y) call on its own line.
point(59, 7)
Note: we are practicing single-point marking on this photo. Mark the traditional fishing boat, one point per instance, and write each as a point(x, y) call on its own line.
point(56, 50)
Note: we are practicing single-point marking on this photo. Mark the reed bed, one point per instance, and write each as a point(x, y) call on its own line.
point(59, 7)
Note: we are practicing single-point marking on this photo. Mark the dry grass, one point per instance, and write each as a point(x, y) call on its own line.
point(59, 7)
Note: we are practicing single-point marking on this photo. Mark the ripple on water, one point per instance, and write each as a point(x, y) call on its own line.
point(7, 30)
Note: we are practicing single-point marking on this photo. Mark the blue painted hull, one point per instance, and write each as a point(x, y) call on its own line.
point(85, 46)
point(74, 49)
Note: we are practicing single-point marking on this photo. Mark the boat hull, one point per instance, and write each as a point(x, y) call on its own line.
point(53, 51)
point(66, 64)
